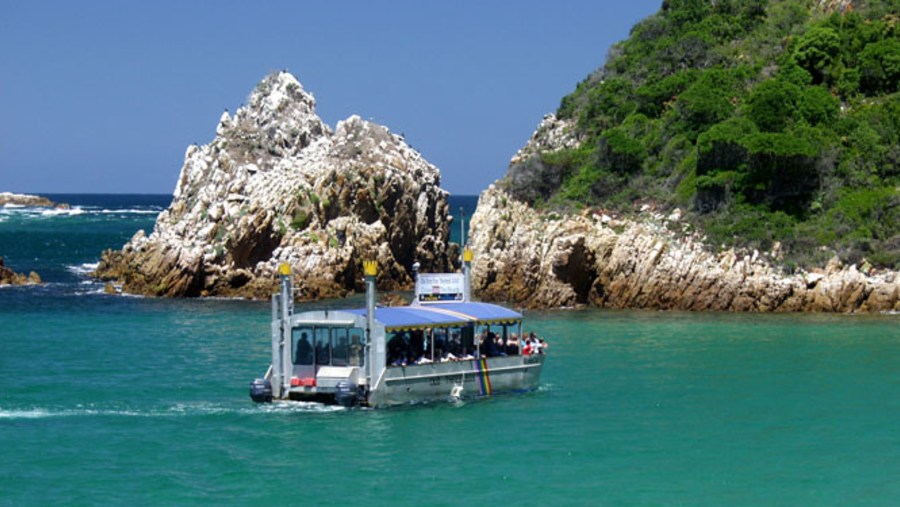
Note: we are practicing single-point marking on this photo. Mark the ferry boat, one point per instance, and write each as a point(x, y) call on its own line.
point(443, 346)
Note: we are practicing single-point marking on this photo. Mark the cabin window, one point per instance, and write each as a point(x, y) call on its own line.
point(302, 345)
point(417, 346)
point(511, 338)
point(323, 346)
point(481, 333)
point(468, 340)
point(341, 353)
point(438, 343)
point(357, 356)
point(397, 348)
point(492, 339)
point(455, 341)
point(326, 345)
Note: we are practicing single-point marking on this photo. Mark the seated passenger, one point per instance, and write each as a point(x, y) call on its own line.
point(489, 346)
point(501, 347)
point(526, 347)
point(535, 344)
point(512, 345)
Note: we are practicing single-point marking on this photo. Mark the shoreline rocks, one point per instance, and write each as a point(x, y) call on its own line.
point(544, 260)
point(10, 277)
point(278, 185)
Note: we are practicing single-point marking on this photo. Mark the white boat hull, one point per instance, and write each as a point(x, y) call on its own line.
point(442, 381)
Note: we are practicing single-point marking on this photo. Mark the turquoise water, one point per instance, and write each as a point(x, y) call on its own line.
point(111, 400)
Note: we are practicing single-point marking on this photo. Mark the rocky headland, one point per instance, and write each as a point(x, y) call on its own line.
point(548, 259)
point(277, 185)
point(10, 277)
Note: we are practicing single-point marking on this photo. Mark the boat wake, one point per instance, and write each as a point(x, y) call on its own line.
point(174, 411)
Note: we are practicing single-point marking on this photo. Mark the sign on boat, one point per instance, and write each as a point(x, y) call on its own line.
point(441, 347)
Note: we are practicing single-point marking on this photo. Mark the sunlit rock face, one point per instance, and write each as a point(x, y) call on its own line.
point(278, 185)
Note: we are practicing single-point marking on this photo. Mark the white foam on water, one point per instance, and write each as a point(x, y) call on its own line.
point(82, 269)
point(42, 413)
point(48, 213)
point(133, 211)
point(24, 414)
point(276, 407)
point(73, 211)
point(177, 410)
point(97, 291)
point(289, 407)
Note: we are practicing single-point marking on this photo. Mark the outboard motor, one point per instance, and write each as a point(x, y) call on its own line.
point(261, 391)
point(345, 394)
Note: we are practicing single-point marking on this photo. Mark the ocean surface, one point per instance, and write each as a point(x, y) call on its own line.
point(120, 400)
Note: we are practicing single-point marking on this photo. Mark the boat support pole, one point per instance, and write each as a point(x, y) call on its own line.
point(370, 268)
point(274, 373)
point(467, 274)
point(287, 305)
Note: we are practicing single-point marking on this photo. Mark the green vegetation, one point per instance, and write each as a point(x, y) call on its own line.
point(769, 120)
point(300, 220)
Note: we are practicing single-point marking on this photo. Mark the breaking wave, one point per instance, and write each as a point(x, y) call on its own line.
point(24, 212)
point(82, 269)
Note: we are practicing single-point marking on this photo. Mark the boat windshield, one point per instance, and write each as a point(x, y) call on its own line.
point(328, 346)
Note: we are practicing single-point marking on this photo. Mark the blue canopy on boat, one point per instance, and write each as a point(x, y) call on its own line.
point(440, 315)
point(477, 311)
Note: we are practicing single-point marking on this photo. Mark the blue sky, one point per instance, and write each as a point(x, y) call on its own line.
point(106, 96)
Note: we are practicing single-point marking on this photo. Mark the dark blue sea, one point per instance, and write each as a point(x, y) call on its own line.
point(122, 400)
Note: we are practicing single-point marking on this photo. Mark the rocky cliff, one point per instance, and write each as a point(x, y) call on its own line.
point(545, 259)
point(278, 185)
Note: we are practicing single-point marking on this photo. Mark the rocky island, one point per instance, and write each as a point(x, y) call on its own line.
point(27, 200)
point(276, 185)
